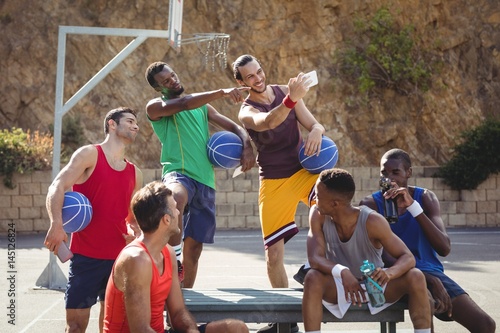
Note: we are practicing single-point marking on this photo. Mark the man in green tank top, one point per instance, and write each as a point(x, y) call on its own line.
point(181, 124)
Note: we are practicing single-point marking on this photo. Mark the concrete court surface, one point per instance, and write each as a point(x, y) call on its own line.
point(237, 260)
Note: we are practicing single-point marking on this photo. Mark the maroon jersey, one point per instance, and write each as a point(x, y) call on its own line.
point(277, 148)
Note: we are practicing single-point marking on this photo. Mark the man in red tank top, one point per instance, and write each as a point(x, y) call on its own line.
point(108, 180)
point(142, 283)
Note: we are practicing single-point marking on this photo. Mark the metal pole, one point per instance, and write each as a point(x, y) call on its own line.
point(52, 277)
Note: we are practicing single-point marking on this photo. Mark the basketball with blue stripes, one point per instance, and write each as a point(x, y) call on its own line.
point(224, 149)
point(76, 212)
point(326, 159)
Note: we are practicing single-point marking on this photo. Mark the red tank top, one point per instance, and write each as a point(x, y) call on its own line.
point(115, 319)
point(109, 191)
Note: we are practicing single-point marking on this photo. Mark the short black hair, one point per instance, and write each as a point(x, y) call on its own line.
point(339, 181)
point(242, 61)
point(116, 115)
point(149, 205)
point(152, 70)
point(398, 154)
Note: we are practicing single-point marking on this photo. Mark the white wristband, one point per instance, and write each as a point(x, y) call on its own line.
point(415, 209)
point(337, 269)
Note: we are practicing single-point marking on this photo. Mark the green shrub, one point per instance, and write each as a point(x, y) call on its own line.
point(384, 55)
point(22, 152)
point(475, 158)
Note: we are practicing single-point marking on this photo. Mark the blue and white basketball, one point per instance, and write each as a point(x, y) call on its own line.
point(76, 212)
point(224, 149)
point(326, 159)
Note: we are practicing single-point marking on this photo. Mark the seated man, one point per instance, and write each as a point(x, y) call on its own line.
point(341, 236)
point(142, 280)
point(420, 226)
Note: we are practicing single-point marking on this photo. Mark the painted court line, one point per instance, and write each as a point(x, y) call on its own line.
point(33, 322)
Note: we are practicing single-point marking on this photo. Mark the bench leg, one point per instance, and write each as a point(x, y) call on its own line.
point(385, 329)
point(284, 328)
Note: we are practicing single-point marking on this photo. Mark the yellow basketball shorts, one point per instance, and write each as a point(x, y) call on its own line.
point(278, 200)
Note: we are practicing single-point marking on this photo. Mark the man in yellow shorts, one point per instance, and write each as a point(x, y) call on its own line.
point(271, 114)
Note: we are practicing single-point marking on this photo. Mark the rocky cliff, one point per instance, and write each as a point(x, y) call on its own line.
point(287, 36)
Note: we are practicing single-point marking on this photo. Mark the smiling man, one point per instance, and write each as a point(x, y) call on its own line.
point(272, 114)
point(108, 180)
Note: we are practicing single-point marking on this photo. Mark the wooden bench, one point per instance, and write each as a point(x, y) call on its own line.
point(280, 305)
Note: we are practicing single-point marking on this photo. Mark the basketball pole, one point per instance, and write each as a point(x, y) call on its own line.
point(52, 276)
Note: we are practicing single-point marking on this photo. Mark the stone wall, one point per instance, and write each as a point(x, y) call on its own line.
point(288, 37)
point(237, 199)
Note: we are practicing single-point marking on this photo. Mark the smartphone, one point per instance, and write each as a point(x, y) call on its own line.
point(64, 253)
point(313, 76)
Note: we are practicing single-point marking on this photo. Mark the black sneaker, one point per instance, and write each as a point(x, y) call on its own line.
point(273, 328)
point(301, 274)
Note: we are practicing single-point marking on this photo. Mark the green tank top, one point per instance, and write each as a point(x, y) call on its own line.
point(184, 138)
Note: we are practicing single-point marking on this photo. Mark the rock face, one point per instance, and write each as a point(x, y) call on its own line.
point(287, 36)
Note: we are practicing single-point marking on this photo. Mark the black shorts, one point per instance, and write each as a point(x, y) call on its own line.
point(87, 281)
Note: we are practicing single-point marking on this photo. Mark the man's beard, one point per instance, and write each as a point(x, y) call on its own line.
point(174, 93)
point(259, 92)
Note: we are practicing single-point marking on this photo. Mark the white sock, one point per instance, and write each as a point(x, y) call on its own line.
point(178, 251)
point(422, 330)
point(306, 265)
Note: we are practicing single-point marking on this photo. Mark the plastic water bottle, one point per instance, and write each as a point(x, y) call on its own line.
point(390, 209)
point(374, 290)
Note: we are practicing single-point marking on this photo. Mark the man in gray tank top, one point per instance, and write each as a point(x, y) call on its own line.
point(341, 237)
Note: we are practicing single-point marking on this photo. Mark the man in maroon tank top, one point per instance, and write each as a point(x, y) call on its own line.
point(271, 114)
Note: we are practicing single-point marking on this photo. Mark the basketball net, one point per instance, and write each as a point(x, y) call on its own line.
point(212, 46)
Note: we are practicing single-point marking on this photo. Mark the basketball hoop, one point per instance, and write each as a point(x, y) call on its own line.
point(215, 50)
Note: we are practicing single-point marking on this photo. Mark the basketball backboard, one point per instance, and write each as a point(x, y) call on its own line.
point(213, 46)
point(175, 23)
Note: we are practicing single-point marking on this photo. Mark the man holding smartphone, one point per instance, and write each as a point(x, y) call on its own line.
point(272, 114)
point(108, 180)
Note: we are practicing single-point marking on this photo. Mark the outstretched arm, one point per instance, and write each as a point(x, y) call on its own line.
point(157, 108)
